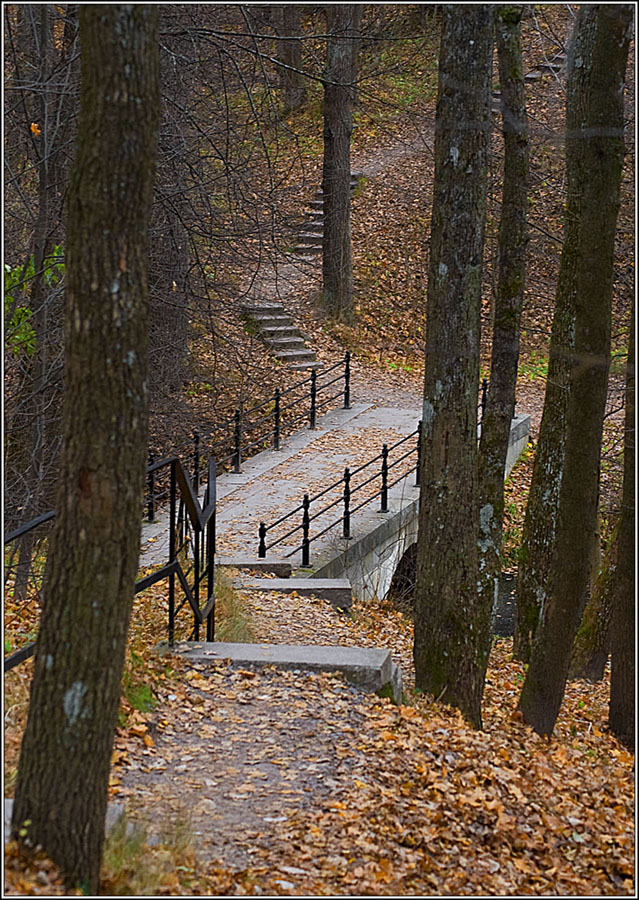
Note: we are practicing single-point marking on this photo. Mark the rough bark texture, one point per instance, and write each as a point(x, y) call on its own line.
point(448, 618)
point(513, 234)
point(594, 149)
point(621, 715)
point(64, 763)
point(337, 264)
point(289, 50)
point(592, 641)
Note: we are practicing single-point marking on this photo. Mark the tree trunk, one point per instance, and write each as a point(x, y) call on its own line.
point(540, 521)
point(448, 649)
point(592, 641)
point(513, 235)
point(289, 51)
point(621, 716)
point(337, 264)
point(61, 793)
point(594, 154)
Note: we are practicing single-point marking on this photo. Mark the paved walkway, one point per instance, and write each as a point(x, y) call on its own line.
point(274, 482)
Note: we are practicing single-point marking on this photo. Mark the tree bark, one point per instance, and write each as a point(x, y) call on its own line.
point(621, 716)
point(592, 641)
point(289, 51)
point(337, 264)
point(513, 236)
point(61, 793)
point(448, 649)
point(594, 155)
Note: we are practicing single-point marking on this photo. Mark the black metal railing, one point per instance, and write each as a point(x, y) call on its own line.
point(259, 428)
point(345, 491)
point(190, 557)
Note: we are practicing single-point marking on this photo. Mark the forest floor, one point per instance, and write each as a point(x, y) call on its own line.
point(285, 783)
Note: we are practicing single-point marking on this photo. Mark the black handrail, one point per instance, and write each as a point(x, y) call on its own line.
point(349, 491)
point(193, 517)
point(244, 432)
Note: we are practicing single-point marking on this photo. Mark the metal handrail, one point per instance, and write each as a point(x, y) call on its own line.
point(243, 426)
point(202, 523)
point(345, 480)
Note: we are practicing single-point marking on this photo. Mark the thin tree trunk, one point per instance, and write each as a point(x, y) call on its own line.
point(337, 264)
point(540, 521)
point(592, 641)
point(595, 150)
point(513, 235)
point(449, 621)
point(62, 786)
point(621, 716)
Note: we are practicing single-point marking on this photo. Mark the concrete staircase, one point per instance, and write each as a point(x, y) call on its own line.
point(280, 333)
point(311, 236)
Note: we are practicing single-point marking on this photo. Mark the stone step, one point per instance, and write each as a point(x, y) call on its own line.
point(307, 249)
point(277, 331)
point(316, 226)
point(296, 356)
point(258, 309)
point(304, 367)
point(531, 77)
point(279, 567)
point(316, 204)
point(289, 343)
point(371, 669)
point(274, 321)
point(337, 591)
point(309, 237)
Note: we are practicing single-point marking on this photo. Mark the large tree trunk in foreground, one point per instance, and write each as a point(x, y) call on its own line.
point(594, 156)
point(61, 793)
point(337, 264)
point(513, 235)
point(623, 638)
point(449, 621)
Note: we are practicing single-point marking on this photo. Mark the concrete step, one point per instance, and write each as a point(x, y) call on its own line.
point(371, 669)
point(258, 309)
point(297, 356)
point(316, 204)
point(286, 343)
point(315, 215)
point(309, 237)
point(531, 77)
point(307, 249)
point(314, 227)
point(276, 331)
point(279, 567)
point(337, 591)
point(274, 321)
point(304, 367)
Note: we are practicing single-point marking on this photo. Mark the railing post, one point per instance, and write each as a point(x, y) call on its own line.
point(306, 556)
point(347, 380)
point(484, 391)
point(196, 462)
point(418, 467)
point(237, 451)
point(261, 552)
point(384, 492)
point(276, 432)
point(151, 488)
point(172, 527)
point(313, 398)
point(347, 502)
point(210, 547)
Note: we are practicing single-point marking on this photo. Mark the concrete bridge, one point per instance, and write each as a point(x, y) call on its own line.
point(312, 462)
